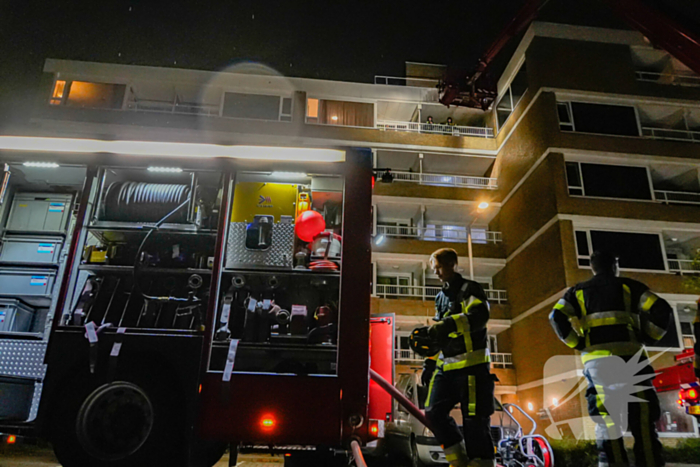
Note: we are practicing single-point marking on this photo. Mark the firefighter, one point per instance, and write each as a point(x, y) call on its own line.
point(461, 372)
point(609, 320)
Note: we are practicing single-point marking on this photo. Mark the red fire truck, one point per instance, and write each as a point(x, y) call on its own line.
point(204, 296)
point(681, 378)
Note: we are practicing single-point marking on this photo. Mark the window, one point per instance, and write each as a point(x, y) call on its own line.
point(598, 118)
point(257, 106)
point(639, 251)
point(57, 95)
point(608, 181)
point(343, 113)
point(511, 96)
point(92, 95)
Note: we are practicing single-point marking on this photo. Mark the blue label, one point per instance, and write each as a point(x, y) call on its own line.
point(39, 280)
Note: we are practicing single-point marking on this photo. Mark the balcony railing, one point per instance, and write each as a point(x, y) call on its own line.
point(683, 266)
point(677, 197)
point(171, 107)
point(460, 181)
point(688, 341)
point(436, 129)
point(437, 234)
point(679, 79)
point(429, 292)
point(498, 360)
point(413, 82)
point(671, 134)
point(408, 356)
point(501, 360)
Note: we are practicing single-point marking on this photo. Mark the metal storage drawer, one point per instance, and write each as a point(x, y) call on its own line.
point(26, 282)
point(16, 396)
point(15, 316)
point(31, 250)
point(39, 212)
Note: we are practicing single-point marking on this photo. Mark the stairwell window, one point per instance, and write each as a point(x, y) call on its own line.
point(59, 88)
point(511, 96)
point(636, 251)
point(608, 181)
point(604, 119)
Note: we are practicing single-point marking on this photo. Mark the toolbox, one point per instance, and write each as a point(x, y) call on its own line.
point(26, 282)
point(15, 316)
point(39, 212)
point(37, 250)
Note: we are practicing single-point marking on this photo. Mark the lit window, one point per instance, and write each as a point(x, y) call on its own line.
point(312, 108)
point(96, 95)
point(57, 95)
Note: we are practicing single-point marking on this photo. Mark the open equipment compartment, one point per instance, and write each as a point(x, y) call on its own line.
point(147, 250)
point(280, 286)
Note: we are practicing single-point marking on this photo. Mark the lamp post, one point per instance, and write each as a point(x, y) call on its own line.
point(480, 208)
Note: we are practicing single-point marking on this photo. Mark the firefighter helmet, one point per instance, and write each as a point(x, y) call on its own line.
point(422, 344)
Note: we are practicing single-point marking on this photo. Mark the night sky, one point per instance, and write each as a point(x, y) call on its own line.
point(341, 40)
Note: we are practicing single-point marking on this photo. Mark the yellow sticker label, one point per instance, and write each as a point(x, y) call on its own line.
point(22, 205)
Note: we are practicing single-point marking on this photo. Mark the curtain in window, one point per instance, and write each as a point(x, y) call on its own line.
point(346, 113)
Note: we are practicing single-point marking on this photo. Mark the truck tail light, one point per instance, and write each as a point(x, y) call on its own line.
point(12, 439)
point(692, 394)
point(376, 428)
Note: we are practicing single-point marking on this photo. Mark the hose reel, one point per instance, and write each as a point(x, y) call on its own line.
point(144, 202)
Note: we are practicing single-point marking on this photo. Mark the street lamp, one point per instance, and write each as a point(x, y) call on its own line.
point(480, 208)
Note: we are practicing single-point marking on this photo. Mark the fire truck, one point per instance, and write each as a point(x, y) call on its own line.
point(681, 378)
point(185, 297)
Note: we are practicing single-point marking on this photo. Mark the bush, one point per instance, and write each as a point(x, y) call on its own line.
point(687, 451)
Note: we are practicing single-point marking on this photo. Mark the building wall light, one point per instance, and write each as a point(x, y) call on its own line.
point(43, 165)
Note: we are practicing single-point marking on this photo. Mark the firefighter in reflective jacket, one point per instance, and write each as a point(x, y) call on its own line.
point(461, 372)
point(609, 320)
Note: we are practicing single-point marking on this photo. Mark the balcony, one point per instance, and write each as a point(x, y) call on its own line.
point(453, 234)
point(429, 292)
point(448, 180)
point(435, 129)
point(677, 78)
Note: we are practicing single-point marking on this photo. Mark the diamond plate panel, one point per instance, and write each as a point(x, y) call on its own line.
point(279, 255)
point(22, 358)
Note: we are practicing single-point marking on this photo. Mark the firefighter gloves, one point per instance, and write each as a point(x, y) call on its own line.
point(422, 343)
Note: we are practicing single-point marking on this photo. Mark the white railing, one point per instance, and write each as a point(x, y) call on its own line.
point(498, 360)
point(461, 181)
point(440, 233)
point(429, 292)
point(501, 360)
point(434, 128)
point(688, 341)
point(412, 82)
point(683, 266)
point(407, 356)
point(672, 134)
point(679, 79)
point(677, 197)
point(146, 105)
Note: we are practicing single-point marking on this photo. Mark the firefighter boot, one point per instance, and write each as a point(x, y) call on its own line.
point(456, 455)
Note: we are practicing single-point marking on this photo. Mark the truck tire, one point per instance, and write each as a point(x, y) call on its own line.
point(206, 453)
point(118, 424)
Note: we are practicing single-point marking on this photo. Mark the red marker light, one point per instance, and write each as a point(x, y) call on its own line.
point(12, 439)
point(692, 394)
point(374, 429)
point(268, 422)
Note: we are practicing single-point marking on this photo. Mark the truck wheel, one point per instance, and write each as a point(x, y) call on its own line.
point(206, 453)
point(117, 424)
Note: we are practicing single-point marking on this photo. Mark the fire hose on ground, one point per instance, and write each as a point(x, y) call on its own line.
point(401, 399)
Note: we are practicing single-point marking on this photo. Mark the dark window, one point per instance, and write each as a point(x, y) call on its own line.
point(615, 181)
point(519, 85)
point(671, 338)
point(573, 177)
point(687, 329)
point(504, 108)
point(286, 106)
point(254, 106)
point(582, 243)
point(563, 111)
point(635, 250)
point(605, 119)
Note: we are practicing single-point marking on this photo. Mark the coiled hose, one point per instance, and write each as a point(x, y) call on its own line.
point(144, 202)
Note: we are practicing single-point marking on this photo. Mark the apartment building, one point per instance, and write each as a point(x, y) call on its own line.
point(593, 140)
